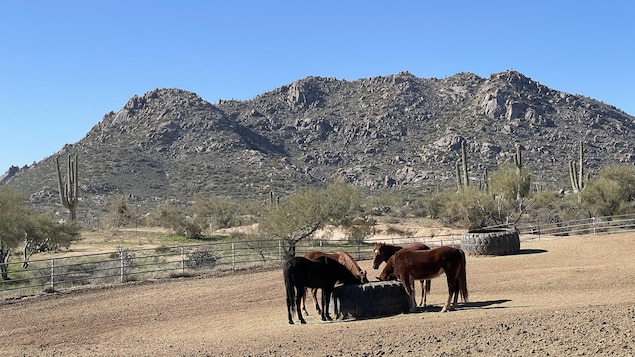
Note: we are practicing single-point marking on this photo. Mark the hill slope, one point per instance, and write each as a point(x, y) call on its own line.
point(394, 131)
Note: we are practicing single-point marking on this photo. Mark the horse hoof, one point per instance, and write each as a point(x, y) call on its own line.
point(290, 322)
point(303, 322)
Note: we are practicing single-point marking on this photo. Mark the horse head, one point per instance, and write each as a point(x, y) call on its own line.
point(378, 254)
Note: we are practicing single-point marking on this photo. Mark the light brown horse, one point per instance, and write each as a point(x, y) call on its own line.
point(382, 252)
point(410, 265)
point(343, 258)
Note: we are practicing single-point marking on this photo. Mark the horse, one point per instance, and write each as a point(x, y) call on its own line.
point(388, 273)
point(322, 273)
point(343, 258)
point(410, 265)
point(382, 252)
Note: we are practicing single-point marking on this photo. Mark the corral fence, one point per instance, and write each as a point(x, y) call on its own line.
point(593, 225)
point(126, 265)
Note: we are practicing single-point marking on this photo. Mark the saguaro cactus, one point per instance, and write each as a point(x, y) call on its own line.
point(462, 178)
point(576, 173)
point(466, 179)
point(518, 162)
point(69, 190)
point(485, 180)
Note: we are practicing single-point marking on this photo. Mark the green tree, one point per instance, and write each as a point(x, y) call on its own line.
point(36, 233)
point(468, 208)
point(358, 228)
point(14, 219)
point(302, 214)
point(44, 235)
point(611, 193)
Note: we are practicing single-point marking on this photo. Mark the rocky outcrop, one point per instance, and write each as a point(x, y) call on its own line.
point(9, 174)
point(396, 131)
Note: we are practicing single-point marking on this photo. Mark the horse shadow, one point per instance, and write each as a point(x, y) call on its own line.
point(490, 304)
point(532, 251)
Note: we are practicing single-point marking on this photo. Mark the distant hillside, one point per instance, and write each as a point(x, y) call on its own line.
point(397, 131)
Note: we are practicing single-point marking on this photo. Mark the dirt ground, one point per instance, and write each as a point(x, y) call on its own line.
point(560, 297)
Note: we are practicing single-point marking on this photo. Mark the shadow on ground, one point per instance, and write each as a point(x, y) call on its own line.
point(532, 251)
point(491, 304)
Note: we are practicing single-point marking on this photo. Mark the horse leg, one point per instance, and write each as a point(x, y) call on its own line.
point(408, 284)
point(422, 302)
point(425, 290)
point(451, 289)
point(317, 304)
point(455, 303)
point(326, 300)
point(297, 303)
point(304, 302)
point(290, 308)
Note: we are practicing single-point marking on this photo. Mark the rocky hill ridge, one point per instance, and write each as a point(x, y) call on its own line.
point(396, 131)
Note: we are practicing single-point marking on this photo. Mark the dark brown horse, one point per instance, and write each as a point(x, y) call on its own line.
point(322, 273)
point(410, 265)
point(382, 252)
point(343, 258)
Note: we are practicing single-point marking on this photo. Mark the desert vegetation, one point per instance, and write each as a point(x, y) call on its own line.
point(504, 197)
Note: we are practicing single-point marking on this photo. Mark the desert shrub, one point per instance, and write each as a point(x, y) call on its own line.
point(469, 208)
point(396, 231)
point(358, 228)
point(612, 193)
point(201, 258)
point(120, 212)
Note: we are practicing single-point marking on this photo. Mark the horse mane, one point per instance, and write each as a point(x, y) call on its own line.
point(390, 248)
point(349, 262)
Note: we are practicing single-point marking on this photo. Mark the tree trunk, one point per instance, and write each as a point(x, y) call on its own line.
point(4, 261)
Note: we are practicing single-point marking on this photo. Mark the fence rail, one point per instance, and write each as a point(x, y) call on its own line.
point(593, 225)
point(124, 265)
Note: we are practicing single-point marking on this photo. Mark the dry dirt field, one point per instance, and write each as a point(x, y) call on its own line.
point(560, 297)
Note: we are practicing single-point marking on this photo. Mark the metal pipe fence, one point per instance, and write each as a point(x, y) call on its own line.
point(126, 265)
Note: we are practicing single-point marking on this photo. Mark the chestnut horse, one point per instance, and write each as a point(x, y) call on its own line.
point(410, 265)
point(382, 252)
point(322, 273)
point(343, 258)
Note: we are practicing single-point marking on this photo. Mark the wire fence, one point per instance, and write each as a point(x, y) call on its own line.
point(125, 265)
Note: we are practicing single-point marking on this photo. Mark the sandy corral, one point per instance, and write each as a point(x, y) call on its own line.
point(559, 297)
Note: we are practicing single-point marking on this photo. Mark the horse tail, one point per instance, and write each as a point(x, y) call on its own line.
point(462, 278)
point(290, 288)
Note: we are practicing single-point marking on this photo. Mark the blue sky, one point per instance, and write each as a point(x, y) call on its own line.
point(64, 64)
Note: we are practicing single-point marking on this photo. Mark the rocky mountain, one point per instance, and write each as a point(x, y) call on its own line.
point(397, 131)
